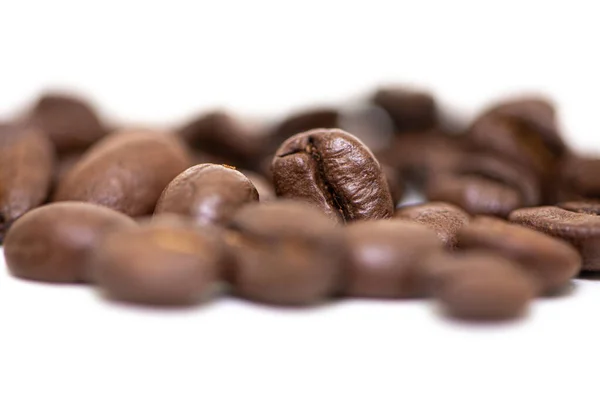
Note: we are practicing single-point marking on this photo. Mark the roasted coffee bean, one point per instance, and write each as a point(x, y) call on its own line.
point(385, 256)
point(284, 252)
point(208, 193)
point(265, 189)
point(164, 262)
point(26, 163)
point(480, 286)
point(586, 207)
point(443, 218)
point(581, 230)
point(53, 243)
point(127, 171)
point(394, 181)
point(551, 262)
point(70, 122)
point(579, 178)
point(410, 110)
point(302, 121)
point(336, 172)
point(226, 138)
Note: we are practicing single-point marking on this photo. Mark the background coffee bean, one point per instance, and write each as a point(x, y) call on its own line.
point(334, 171)
point(70, 122)
point(410, 110)
point(581, 230)
point(284, 252)
point(164, 262)
point(443, 218)
point(264, 187)
point(480, 286)
point(586, 207)
point(384, 258)
point(579, 178)
point(302, 121)
point(208, 193)
point(552, 262)
point(127, 171)
point(26, 164)
point(53, 243)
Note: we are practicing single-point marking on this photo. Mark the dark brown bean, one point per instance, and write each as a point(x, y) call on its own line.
point(581, 230)
point(265, 189)
point(334, 171)
point(445, 219)
point(127, 171)
point(302, 121)
point(551, 262)
point(164, 262)
point(26, 164)
point(53, 243)
point(208, 193)
point(579, 178)
point(284, 252)
point(395, 183)
point(384, 258)
point(582, 206)
point(409, 109)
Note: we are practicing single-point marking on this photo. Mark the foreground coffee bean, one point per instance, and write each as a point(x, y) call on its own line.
point(127, 171)
point(70, 122)
point(164, 262)
point(480, 286)
point(208, 193)
point(443, 218)
point(409, 109)
point(334, 171)
point(284, 252)
point(551, 262)
point(53, 243)
point(581, 230)
point(385, 257)
point(26, 163)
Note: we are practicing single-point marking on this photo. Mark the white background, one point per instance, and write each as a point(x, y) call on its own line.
point(159, 62)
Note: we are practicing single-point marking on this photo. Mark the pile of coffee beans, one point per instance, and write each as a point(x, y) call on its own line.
point(303, 209)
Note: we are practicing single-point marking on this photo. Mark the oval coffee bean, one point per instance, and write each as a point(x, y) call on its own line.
point(284, 252)
point(265, 189)
point(334, 171)
point(164, 262)
point(26, 164)
point(579, 177)
point(581, 206)
point(480, 286)
point(409, 109)
point(70, 122)
point(552, 262)
point(53, 243)
point(384, 258)
point(445, 219)
point(208, 193)
point(581, 230)
point(127, 171)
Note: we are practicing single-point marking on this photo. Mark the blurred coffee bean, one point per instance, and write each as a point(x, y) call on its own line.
point(208, 193)
point(53, 243)
point(395, 183)
point(302, 121)
point(334, 171)
point(27, 160)
point(166, 262)
point(265, 189)
point(581, 230)
point(443, 218)
point(579, 178)
point(410, 110)
point(581, 206)
point(70, 122)
point(480, 286)
point(550, 261)
point(127, 171)
point(284, 252)
point(385, 256)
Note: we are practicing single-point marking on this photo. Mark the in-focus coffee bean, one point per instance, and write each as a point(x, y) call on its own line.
point(53, 243)
point(334, 171)
point(208, 193)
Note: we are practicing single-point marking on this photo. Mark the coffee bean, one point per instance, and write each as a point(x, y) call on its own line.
point(53, 243)
point(26, 164)
point(551, 262)
point(443, 218)
point(164, 262)
point(70, 122)
point(480, 286)
point(302, 121)
point(284, 252)
point(586, 207)
point(395, 183)
point(385, 258)
point(208, 193)
point(226, 138)
point(334, 171)
point(265, 189)
point(127, 171)
point(579, 178)
point(581, 230)
point(410, 110)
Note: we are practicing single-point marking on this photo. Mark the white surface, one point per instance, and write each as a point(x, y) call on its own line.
point(160, 63)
